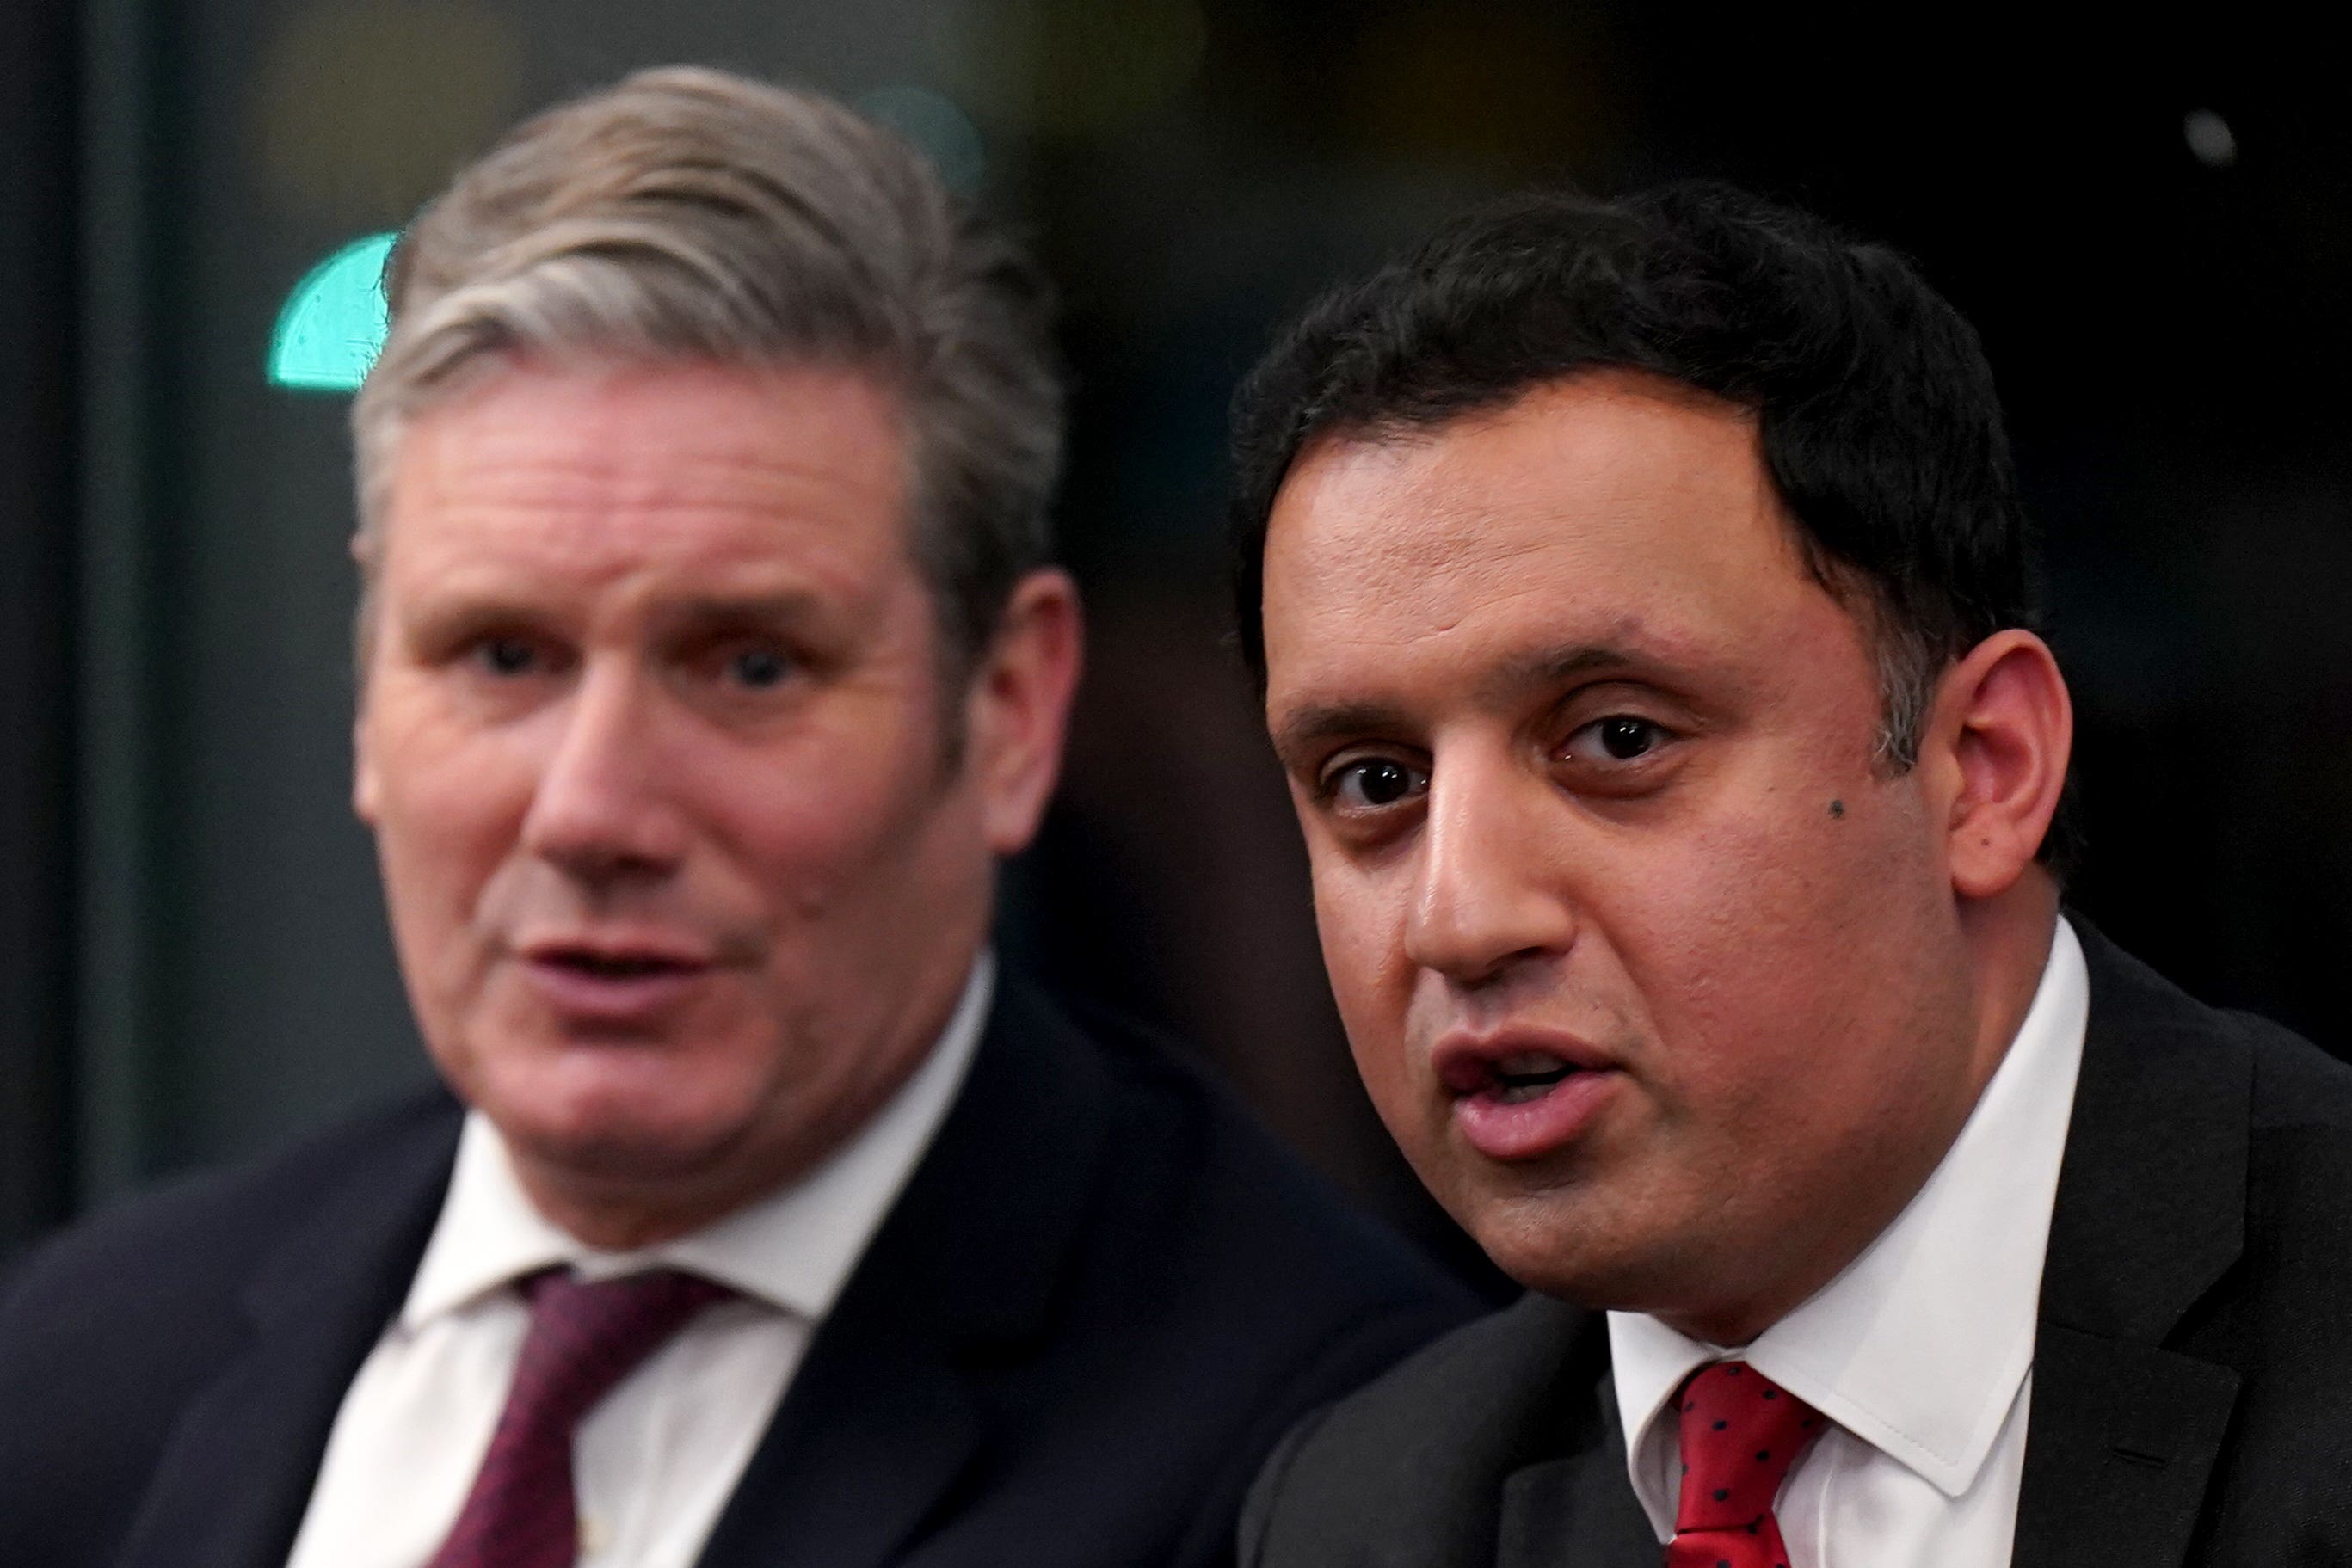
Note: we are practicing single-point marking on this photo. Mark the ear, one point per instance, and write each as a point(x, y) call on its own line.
point(365, 787)
point(2004, 730)
point(1018, 708)
point(366, 551)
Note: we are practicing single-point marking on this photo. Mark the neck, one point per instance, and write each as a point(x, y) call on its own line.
point(641, 1185)
point(2007, 940)
point(620, 1200)
point(613, 1217)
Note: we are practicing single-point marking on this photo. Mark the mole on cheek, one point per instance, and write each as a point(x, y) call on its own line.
point(1837, 808)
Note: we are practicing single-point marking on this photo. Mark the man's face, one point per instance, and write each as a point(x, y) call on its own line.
point(1657, 982)
point(654, 743)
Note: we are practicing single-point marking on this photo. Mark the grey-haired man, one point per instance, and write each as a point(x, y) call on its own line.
point(711, 659)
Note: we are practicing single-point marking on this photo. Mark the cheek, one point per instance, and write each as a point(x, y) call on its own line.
point(453, 803)
point(814, 825)
point(1360, 923)
point(448, 810)
point(1773, 938)
point(793, 840)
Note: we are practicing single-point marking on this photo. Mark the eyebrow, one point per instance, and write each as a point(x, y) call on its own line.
point(756, 610)
point(472, 602)
point(1318, 722)
point(1313, 722)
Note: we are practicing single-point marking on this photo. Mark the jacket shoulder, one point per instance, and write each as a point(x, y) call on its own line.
point(2298, 1098)
point(108, 1329)
point(2297, 1084)
point(2268, 1315)
point(1410, 1469)
point(1239, 1211)
point(200, 1234)
point(1216, 1290)
point(2294, 1080)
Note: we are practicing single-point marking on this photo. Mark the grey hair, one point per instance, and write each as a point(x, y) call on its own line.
point(1909, 659)
point(688, 214)
point(1910, 668)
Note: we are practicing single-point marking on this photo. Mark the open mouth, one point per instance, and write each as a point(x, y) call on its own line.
point(618, 983)
point(1512, 1080)
point(594, 965)
point(1530, 1075)
point(1523, 1098)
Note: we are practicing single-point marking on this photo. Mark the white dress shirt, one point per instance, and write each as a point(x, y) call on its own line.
point(655, 1461)
point(1921, 1350)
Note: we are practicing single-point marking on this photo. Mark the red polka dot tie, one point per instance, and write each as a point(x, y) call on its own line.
point(583, 1339)
point(1740, 1433)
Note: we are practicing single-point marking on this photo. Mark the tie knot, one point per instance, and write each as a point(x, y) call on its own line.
point(1740, 1433)
point(583, 1339)
point(585, 1336)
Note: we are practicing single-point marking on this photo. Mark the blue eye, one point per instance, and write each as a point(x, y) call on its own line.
point(759, 667)
point(507, 655)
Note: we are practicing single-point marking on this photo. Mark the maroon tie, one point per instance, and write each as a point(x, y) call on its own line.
point(583, 1339)
point(1740, 1433)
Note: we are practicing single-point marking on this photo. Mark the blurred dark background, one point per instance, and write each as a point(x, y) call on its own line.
point(2152, 230)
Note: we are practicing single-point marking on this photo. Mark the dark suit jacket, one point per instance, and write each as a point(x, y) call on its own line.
point(2192, 1371)
point(1100, 1301)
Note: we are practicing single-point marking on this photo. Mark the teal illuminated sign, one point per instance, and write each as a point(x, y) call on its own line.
point(333, 324)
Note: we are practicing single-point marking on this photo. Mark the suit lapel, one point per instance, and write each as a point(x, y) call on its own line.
point(2120, 1446)
point(1577, 1511)
point(870, 1435)
point(235, 1476)
point(878, 1424)
point(2151, 1212)
point(886, 1413)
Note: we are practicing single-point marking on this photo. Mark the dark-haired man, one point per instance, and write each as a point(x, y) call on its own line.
point(1640, 594)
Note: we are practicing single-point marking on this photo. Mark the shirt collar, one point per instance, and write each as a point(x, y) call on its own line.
point(793, 1249)
point(1919, 1346)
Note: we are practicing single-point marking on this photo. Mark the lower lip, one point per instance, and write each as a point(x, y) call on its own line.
point(1530, 1129)
point(610, 1000)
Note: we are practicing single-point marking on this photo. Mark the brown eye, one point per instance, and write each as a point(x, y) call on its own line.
point(1619, 738)
point(1375, 783)
point(1625, 737)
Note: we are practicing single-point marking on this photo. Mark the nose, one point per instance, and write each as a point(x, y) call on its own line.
point(1484, 902)
point(603, 809)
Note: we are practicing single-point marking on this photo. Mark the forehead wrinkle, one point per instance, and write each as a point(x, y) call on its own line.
point(548, 558)
point(647, 444)
point(1486, 490)
point(1512, 537)
point(684, 481)
point(604, 521)
point(698, 407)
point(1465, 548)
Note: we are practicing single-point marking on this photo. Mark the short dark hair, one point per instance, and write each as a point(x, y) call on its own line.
point(1875, 407)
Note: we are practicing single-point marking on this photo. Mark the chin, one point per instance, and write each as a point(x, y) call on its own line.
point(630, 1125)
point(1560, 1246)
point(627, 1155)
point(1533, 1259)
